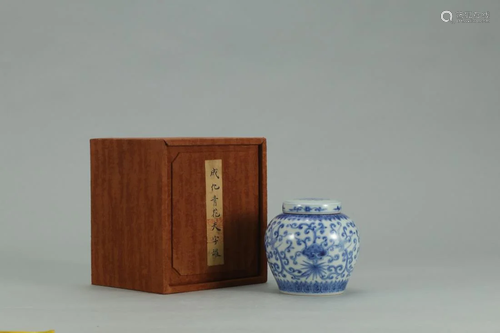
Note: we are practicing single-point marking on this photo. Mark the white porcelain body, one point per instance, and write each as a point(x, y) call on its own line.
point(312, 254)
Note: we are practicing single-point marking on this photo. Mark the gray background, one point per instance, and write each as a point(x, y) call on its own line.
point(378, 104)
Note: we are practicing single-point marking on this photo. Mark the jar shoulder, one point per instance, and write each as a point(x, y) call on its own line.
point(306, 218)
point(300, 221)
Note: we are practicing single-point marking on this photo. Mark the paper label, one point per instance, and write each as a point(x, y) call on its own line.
point(215, 212)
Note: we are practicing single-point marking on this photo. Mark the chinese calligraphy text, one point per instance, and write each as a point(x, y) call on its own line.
point(215, 210)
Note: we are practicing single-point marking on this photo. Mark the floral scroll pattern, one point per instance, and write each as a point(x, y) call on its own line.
point(312, 253)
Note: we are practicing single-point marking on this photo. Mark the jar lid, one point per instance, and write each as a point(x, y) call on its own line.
point(312, 206)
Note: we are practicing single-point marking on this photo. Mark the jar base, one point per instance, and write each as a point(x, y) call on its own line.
point(312, 294)
point(313, 288)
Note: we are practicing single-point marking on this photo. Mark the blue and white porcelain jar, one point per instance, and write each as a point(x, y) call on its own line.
point(312, 247)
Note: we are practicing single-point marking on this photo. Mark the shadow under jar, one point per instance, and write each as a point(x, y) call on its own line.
point(312, 247)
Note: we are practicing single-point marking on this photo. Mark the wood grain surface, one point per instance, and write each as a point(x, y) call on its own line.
point(149, 213)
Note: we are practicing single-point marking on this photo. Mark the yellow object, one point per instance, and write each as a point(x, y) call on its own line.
point(51, 331)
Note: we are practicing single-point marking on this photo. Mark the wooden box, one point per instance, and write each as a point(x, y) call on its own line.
point(178, 214)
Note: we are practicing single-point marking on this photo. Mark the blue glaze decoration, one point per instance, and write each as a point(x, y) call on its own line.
point(312, 287)
point(311, 206)
point(312, 253)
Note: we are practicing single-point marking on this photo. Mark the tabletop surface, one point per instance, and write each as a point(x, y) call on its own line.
point(41, 295)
